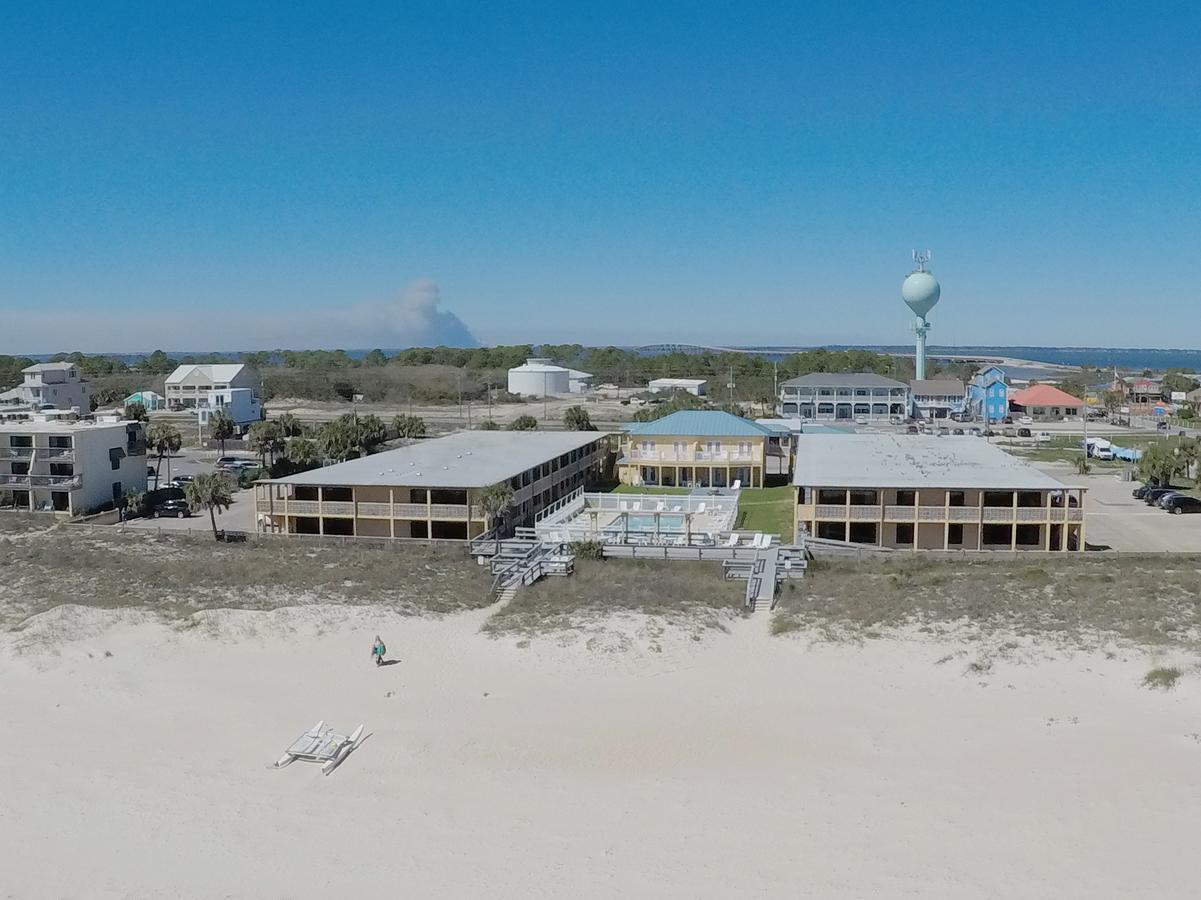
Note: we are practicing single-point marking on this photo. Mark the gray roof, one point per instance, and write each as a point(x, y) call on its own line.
point(937, 387)
point(885, 460)
point(49, 367)
point(844, 379)
point(462, 460)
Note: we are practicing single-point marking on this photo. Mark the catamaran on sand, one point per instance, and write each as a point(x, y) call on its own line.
point(321, 744)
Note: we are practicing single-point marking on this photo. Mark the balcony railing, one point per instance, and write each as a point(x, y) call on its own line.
point(59, 454)
point(375, 510)
point(16, 453)
point(690, 456)
point(58, 482)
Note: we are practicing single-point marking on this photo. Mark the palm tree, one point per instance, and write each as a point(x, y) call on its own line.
point(265, 437)
point(209, 491)
point(136, 412)
point(370, 432)
point(289, 424)
point(335, 439)
point(165, 439)
point(303, 453)
point(524, 423)
point(221, 427)
point(577, 419)
point(495, 500)
point(409, 426)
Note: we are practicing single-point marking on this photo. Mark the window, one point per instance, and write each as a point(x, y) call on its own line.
point(905, 533)
point(832, 496)
point(955, 498)
point(825, 409)
point(864, 498)
point(954, 534)
point(863, 533)
point(906, 498)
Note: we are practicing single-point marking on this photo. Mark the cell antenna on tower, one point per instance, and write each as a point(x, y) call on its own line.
point(921, 257)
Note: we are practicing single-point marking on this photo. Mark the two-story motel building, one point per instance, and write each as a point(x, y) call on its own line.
point(696, 448)
point(432, 488)
point(838, 396)
point(922, 492)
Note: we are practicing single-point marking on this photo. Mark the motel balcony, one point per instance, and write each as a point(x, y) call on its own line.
point(840, 512)
point(453, 512)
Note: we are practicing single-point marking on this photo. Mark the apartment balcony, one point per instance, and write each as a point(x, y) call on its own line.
point(696, 456)
point(58, 454)
point(16, 453)
point(57, 482)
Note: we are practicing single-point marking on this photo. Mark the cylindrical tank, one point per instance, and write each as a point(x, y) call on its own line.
point(539, 377)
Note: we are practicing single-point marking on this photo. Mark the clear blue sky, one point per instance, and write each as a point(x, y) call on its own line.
point(196, 176)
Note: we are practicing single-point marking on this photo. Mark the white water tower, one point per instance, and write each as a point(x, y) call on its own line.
point(920, 291)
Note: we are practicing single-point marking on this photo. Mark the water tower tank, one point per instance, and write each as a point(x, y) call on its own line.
point(920, 292)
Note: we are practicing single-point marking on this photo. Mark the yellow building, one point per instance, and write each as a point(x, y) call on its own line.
point(695, 448)
point(432, 488)
point(917, 492)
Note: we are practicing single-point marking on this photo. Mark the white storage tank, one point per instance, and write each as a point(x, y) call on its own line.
point(539, 377)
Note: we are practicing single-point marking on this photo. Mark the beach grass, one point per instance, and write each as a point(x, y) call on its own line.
point(1080, 599)
point(177, 575)
point(692, 593)
point(1162, 678)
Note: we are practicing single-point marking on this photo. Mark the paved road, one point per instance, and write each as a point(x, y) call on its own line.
point(186, 463)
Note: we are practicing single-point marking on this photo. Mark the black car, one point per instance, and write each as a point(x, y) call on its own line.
point(1152, 495)
point(182, 480)
point(956, 431)
point(1139, 491)
point(168, 508)
point(1182, 503)
point(1024, 432)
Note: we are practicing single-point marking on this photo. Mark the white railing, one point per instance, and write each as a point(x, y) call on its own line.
point(304, 507)
point(864, 512)
point(448, 511)
point(374, 509)
point(337, 508)
point(831, 511)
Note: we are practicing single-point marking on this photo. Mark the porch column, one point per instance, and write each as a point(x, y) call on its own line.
point(1047, 523)
point(946, 520)
point(980, 523)
point(1013, 528)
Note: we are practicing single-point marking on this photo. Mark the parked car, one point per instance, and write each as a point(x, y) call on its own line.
point(1024, 420)
point(1008, 420)
point(975, 432)
point(988, 432)
point(1024, 432)
point(912, 429)
point(1139, 491)
point(1182, 503)
point(1105, 453)
point(226, 462)
point(179, 509)
point(956, 431)
point(150, 473)
point(182, 480)
point(1163, 498)
point(860, 420)
point(1151, 495)
point(1009, 432)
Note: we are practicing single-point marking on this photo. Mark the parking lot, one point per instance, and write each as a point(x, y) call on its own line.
point(239, 517)
point(1116, 521)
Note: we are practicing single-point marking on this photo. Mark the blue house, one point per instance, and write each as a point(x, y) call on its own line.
point(988, 394)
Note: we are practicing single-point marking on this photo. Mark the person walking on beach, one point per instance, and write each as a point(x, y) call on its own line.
point(378, 650)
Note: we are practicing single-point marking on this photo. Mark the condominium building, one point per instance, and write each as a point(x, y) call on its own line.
point(69, 466)
point(921, 492)
point(432, 488)
point(696, 448)
point(193, 386)
point(844, 397)
point(937, 398)
point(57, 384)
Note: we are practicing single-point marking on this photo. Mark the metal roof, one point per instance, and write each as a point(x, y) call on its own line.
point(700, 423)
point(466, 459)
point(216, 372)
point(49, 367)
point(844, 379)
point(885, 460)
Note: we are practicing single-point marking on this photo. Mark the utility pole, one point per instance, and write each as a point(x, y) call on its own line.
point(730, 385)
point(489, 399)
point(775, 383)
point(545, 400)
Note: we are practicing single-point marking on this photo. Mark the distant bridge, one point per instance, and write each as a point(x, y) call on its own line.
point(698, 349)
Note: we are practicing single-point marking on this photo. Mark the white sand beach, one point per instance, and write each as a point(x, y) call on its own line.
point(740, 765)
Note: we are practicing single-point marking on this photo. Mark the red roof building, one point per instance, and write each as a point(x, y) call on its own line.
point(1045, 402)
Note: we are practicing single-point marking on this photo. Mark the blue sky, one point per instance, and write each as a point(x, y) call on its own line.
point(198, 176)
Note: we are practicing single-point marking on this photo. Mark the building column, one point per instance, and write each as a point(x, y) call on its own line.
point(429, 515)
point(980, 523)
point(1047, 517)
point(946, 520)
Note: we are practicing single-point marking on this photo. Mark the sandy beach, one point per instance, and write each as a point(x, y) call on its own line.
point(138, 764)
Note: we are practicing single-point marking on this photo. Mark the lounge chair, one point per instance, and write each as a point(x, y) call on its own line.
point(737, 485)
point(732, 540)
point(677, 508)
point(662, 505)
point(700, 507)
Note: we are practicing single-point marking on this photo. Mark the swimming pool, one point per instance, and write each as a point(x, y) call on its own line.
point(669, 523)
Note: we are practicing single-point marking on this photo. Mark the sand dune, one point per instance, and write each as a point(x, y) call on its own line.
point(736, 766)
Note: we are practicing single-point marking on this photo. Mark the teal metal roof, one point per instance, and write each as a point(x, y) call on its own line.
point(701, 422)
